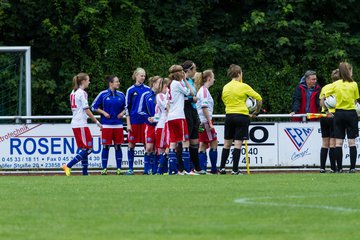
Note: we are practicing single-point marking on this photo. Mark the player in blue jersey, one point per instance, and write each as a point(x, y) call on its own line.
point(148, 111)
point(135, 122)
point(80, 109)
point(110, 103)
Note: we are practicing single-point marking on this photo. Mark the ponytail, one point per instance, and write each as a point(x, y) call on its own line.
point(153, 80)
point(77, 79)
point(335, 75)
point(176, 72)
point(234, 71)
point(75, 84)
point(201, 78)
point(166, 82)
point(197, 80)
point(345, 72)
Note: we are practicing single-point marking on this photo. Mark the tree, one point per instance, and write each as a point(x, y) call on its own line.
point(274, 42)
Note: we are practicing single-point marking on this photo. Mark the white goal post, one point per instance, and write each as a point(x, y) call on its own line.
point(27, 50)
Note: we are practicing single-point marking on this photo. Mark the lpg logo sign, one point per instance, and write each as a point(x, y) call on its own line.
point(298, 136)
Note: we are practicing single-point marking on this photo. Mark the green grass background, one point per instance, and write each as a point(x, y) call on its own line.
point(180, 207)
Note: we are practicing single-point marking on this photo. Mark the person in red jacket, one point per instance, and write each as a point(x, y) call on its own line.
point(306, 95)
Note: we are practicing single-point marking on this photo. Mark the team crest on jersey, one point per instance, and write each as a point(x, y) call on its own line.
point(298, 136)
point(131, 137)
point(149, 139)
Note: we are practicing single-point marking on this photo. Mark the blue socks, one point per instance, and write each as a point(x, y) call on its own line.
point(213, 160)
point(104, 156)
point(80, 156)
point(154, 158)
point(83, 157)
point(203, 160)
point(186, 159)
point(165, 163)
point(150, 163)
point(85, 166)
point(147, 163)
point(131, 154)
point(162, 161)
point(172, 162)
point(118, 156)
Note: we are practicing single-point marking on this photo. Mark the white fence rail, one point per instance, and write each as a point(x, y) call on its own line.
point(61, 117)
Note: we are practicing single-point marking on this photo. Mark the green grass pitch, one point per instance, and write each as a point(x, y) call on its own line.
point(256, 206)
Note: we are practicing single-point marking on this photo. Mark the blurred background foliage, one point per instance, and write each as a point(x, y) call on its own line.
point(274, 42)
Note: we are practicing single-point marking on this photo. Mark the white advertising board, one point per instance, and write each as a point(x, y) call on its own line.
point(300, 145)
point(262, 145)
point(48, 146)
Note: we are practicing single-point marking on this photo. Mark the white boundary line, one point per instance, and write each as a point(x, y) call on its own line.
point(253, 201)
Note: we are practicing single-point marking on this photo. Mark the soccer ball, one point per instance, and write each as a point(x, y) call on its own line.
point(330, 102)
point(357, 107)
point(251, 104)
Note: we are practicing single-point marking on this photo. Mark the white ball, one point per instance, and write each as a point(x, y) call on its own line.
point(357, 105)
point(251, 104)
point(330, 101)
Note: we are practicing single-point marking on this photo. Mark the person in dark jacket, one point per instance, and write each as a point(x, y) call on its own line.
point(306, 95)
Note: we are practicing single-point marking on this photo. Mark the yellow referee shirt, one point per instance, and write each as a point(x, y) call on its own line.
point(234, 95)
point(324, 89)
point(346, 94)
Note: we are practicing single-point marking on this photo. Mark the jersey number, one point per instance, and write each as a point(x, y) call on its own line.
point(72, 101)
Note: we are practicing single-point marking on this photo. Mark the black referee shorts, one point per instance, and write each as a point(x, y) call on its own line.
point(236, 127)
point(346, 122)
point(327, 127)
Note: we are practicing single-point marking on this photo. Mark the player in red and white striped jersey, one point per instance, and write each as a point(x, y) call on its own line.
point(176, 118)
point(161, 130)
point(80, 108)
point(205, 107)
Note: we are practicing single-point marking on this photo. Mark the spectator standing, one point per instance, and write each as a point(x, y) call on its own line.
point(306, 95)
